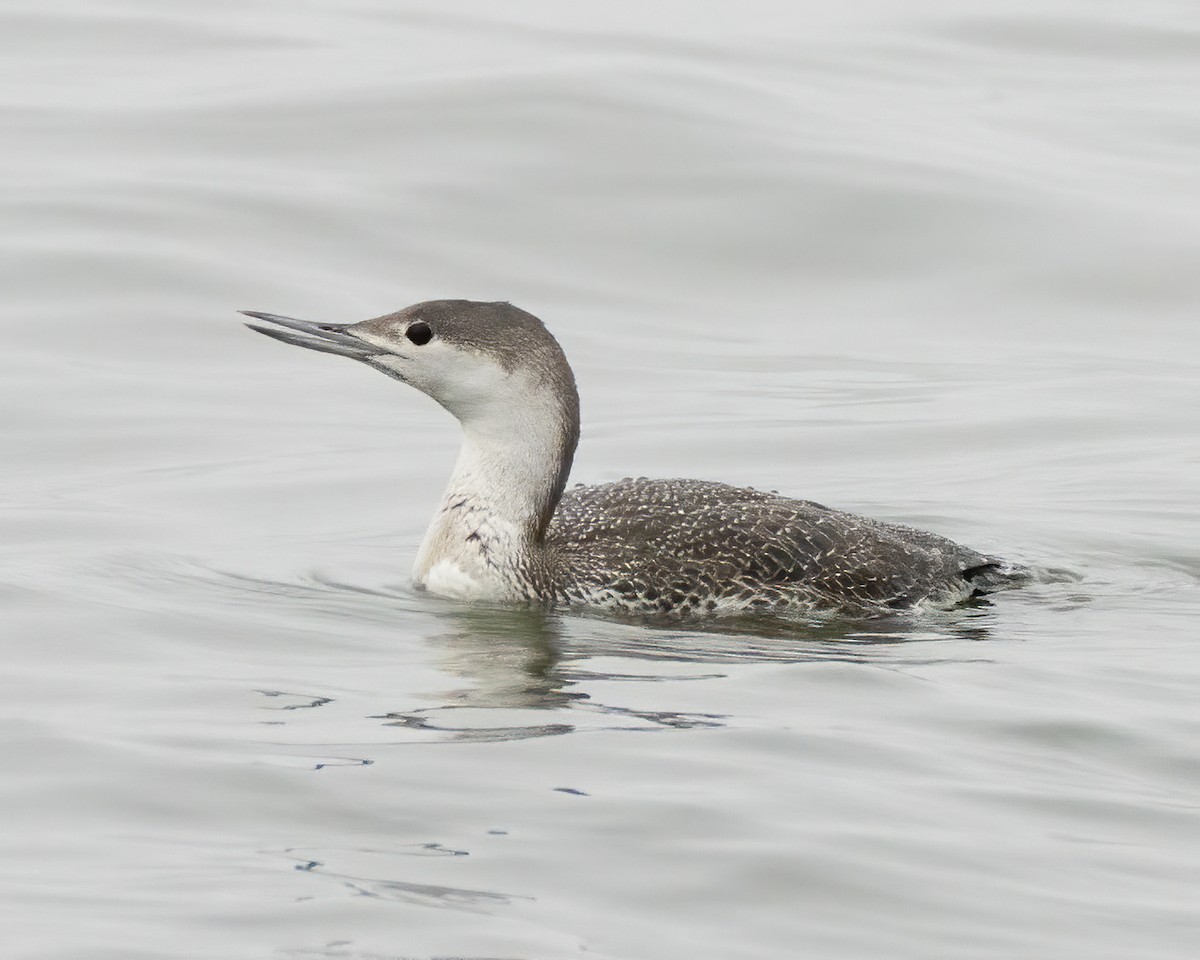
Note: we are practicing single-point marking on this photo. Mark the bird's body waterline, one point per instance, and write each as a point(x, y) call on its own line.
point(508, 528)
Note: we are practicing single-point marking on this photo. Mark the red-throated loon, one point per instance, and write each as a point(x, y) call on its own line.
point(509, 529)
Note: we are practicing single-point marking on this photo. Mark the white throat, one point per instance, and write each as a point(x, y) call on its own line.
point(484, 540)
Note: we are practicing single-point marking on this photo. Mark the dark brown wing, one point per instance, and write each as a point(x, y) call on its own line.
point(687, 545)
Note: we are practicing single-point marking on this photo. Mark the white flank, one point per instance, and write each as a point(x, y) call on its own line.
point(447, 579)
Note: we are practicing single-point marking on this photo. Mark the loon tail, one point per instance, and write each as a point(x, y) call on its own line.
point(993, 575)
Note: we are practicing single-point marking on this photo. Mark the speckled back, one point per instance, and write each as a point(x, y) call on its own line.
point(686, 547)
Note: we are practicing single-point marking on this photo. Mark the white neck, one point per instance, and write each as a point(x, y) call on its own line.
point(484, 541)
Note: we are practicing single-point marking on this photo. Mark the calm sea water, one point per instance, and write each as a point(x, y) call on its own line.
point(932, 262)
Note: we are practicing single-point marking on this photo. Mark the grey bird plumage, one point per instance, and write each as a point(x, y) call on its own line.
point(509, 529)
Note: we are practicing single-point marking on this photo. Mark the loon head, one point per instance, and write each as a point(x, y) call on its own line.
point(489, 364)
point(494, 367)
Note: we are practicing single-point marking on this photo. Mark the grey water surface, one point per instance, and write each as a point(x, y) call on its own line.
point(934, 262)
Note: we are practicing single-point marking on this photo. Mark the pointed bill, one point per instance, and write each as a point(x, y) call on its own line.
point(322, 337)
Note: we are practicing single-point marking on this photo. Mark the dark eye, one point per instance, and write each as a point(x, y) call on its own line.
point(419, 333)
